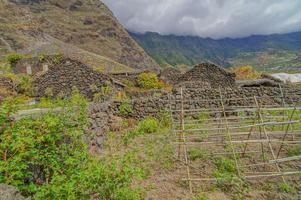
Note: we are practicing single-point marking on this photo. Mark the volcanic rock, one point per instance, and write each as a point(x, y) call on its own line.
point(170, 75)
point(61, 79)
point(209, 74)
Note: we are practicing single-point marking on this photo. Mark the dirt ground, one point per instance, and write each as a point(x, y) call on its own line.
point(158, 154)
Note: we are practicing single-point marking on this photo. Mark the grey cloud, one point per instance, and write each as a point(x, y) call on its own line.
point(209, 18)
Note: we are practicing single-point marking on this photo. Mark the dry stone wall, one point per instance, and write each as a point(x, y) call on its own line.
point(210, 74)
point(61, 79)
point(209, 98)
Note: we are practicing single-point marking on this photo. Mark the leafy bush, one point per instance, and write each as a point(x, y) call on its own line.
point(148, 125)
point(125, 108)
point(42, 57)
point(103, 92)
point(14, 57)
point(25, 85)
point(246, 73)
point(284, 187)
point(164, 119)
point(148, 80)
point(46, 157)
point(57, 58)
point(128, 83)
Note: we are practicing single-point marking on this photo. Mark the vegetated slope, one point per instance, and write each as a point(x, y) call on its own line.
point(279, 51)
point(35, 26)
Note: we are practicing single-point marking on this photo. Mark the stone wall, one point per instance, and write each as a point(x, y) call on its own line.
point(7, 87)
point(8, 83)
point(32, 66)
point(209, 74)
point(62, 78)
point(130, 76)
point(209, 98)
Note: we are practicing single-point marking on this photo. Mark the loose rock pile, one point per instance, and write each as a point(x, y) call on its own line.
point(170, 75)
point(8, 83)
point(61, 79)
point(7, 87)
point(209, 74)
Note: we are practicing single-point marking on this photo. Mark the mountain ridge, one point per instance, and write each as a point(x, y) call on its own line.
point(190, 50)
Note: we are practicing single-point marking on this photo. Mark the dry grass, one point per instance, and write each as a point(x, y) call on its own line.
point(245, 73)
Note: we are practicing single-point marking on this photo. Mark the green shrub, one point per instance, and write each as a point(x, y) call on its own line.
point(225, 165)
point(57, 58)
point(148, 80)
point(42, 57)
point(148, 125)
point(128, 83)
point(25, 85)
point(14, 57)
point(286, 188)
point(103, 92)
point(46, 157)
point(49, 92)
point(125, 108)
point(165, 119)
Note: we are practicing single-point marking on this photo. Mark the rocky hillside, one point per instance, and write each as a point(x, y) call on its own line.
point(83, 29)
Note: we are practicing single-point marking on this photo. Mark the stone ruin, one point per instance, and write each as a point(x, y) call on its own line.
point(69, 74)
point(34, 65)
point(209, 75)
point(7, 87)
point(170, 75)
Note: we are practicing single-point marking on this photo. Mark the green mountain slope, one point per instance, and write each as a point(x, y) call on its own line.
point(78, 27)
point(272, 52)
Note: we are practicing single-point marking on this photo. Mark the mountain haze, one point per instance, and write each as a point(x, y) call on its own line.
point(83, 29)
point(271, 52)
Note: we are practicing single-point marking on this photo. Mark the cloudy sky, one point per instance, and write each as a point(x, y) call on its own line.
point(209, 18)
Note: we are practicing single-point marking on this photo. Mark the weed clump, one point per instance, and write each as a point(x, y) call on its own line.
point(195, 154)
point(286, 188)
point(294, 151)
point(228, 179)
point(125, 108)
point(148, 81)
point(146, 126)
point(14, 57)
point(246, 73)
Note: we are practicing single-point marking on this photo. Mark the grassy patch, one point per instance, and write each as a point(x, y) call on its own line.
point(125, 108)
point(294, 151)
point(195, 154)
point(228, 179)
point(14, 57)
point(286, 188)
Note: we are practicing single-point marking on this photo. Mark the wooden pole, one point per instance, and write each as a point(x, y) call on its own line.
point(228, 132)
point(249, 135)
point(286, 133)
point(268, 138)
point(183, 139)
